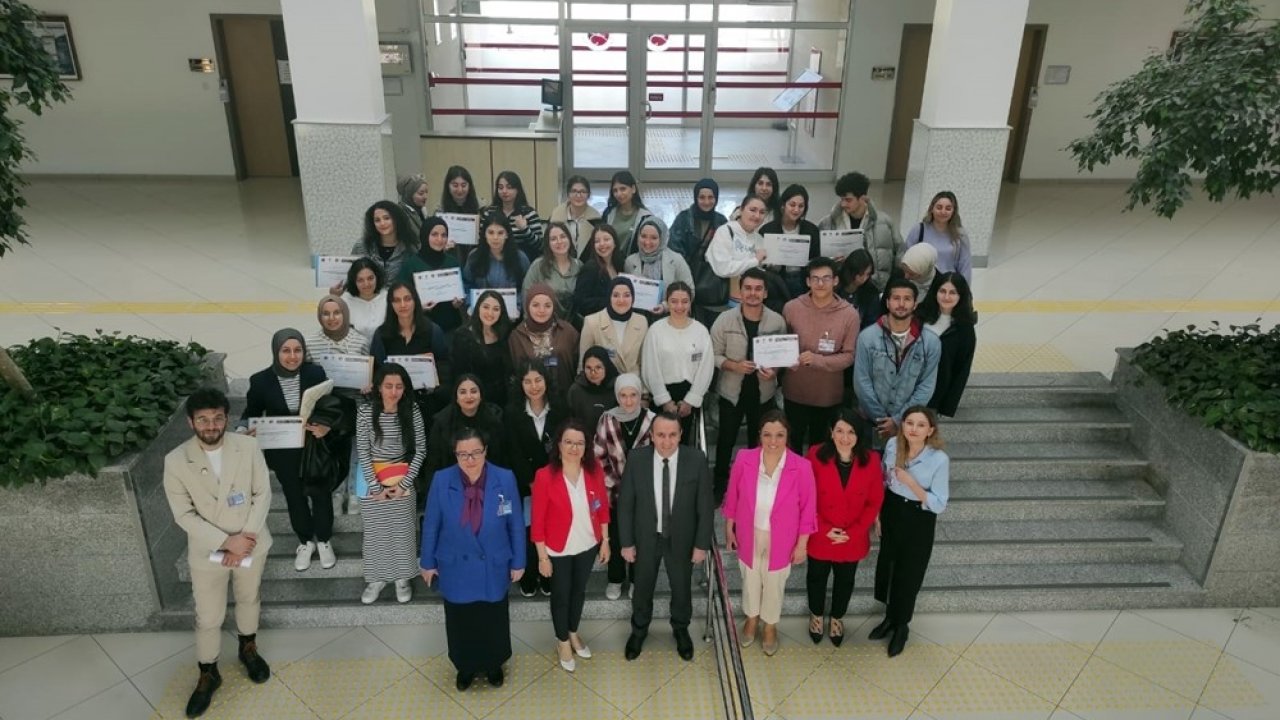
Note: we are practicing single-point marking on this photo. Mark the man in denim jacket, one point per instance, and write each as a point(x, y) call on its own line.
point(896, 364)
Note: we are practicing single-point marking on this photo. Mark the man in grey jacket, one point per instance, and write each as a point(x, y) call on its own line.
point(896, 365)
point(855, 211)
point(745, 390)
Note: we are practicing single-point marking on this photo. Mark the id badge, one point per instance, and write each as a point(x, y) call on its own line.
point(551, 361)
point(595, 504)
point(695, 358)
point(826, 346)
point(235, 499)
point(504, 506)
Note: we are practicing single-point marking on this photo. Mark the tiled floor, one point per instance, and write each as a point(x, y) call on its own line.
point(1071, 277)
point(1103, 665)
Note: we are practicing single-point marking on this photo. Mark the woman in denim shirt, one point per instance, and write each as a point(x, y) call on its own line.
point(917, 474)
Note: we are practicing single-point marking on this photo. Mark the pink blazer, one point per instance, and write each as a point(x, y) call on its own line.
point(794, 508)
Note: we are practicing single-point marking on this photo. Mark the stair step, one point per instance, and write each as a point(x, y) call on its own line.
point(1047, 414)
point(1038, 396)
point(1054, 379)
point(989, 432)
point(1003, 451)
point(1052, 500)
point(1046, 468)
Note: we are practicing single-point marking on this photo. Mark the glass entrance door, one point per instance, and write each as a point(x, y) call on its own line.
point(669, 73)
point(603, 101)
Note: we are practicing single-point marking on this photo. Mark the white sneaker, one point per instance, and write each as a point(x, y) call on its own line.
point(327, 558)
point(404, 591)
point(371, 592)
point(302, 561)
point(613, 591)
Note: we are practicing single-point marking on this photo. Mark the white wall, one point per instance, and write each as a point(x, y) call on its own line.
point(139, 109)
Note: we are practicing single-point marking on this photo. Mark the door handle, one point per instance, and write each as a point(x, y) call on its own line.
point(648, 110)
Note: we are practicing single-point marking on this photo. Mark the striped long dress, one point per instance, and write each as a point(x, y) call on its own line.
point(389, 545)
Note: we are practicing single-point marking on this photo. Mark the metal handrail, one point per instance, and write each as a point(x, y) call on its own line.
point(721, 629)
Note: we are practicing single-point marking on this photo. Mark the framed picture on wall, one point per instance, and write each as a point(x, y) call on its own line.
point(54, 33)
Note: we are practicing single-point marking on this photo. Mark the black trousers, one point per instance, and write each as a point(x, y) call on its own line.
point(906, 544)
point(731, 417)
point(677, 392)
point(679, 564)
point(619, 570)
point(569, 576)
point(310, 513)
point(532, 579)
point(841, 588)
point(810, 424)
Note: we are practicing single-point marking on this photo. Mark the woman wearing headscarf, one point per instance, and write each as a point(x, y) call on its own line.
point(619, 431)
point(694, 226)
point(618, 328)
point(391, 444)
point(543, 336)
point(277, 392)
point(592, 393)
point(654, 261)
point(919, 265)
point(472, 535)
point(335, 334)
point(433, 254)
point(413, 200)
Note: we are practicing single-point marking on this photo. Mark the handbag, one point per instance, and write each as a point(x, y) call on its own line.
point(390, 473)
point(319, 469)
point(709, 289)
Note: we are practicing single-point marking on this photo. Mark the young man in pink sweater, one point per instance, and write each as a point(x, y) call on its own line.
point(828, 329)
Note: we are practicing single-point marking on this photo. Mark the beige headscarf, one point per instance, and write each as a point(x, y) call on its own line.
point(346, 317)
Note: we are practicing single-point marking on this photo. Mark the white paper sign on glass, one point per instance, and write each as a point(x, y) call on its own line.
point(838, 243)
point(789, 250)
point(332, 269)
point(277, 433)
point(776, 351)
point(347, 371)
point(439, 285)
point(648, 294)
point(463, 229)
point(421, 369)
point(509, 299)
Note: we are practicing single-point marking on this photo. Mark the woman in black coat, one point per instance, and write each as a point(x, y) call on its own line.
point(948, 311)
point(468, 410)
point(531, 421)
point(601, 263)
point(277, 392)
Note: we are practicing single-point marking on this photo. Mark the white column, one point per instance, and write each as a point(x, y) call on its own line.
point(343, 131)
point(959, 141)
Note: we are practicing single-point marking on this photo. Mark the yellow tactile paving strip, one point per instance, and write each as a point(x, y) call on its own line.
point(802, 681)
point(1013, 357)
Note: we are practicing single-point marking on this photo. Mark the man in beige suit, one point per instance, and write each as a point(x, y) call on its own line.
point(219, 491)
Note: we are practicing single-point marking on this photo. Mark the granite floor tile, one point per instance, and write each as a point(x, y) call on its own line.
point(57, 680)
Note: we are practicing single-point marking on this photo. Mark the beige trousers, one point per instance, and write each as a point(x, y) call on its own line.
point(209, 589)
point(762, 590)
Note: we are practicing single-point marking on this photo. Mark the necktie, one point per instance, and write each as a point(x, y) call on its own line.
point(666, 498)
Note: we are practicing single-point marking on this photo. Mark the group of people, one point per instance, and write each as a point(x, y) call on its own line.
point(562, 438)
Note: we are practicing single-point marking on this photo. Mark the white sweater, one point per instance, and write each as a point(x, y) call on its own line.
point(732, 250)
point(367, 316)
point(674, 355)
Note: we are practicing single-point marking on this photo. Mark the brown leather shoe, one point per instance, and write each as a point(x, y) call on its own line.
point(255, 667)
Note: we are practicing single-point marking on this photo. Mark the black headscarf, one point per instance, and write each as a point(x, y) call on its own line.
point(432, 257)
point(621, 317)
point(697, 212)
point(277, 341)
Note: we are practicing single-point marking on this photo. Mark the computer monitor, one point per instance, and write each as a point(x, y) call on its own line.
point(552, 93)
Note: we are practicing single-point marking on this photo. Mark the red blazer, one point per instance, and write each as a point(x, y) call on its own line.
point(552, 514)
point(853, 508)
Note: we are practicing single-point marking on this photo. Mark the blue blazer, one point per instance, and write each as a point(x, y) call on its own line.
point(473, 567)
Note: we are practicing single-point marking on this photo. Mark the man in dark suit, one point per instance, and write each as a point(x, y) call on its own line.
point(676, 533)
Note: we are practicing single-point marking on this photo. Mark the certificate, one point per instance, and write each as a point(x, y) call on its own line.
point(217, 555)
point(463, 229)
point(776, 351)
point(439, 285)
point(421, 369)
point(347, 371)
point(277, 433)
point(332, 269)
point(789, 250)
point(838, 243)
point(648, 293)
point(508, 298)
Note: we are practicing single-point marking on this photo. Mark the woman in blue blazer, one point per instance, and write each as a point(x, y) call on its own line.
point(473, 540)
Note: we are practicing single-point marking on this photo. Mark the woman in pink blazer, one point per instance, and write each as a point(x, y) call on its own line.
point(770, 511)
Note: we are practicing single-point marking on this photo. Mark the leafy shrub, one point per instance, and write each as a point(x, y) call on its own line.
point(97, 399)
point(1231, 381)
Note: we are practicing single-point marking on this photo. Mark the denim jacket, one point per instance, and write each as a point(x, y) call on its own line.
point(886, 388)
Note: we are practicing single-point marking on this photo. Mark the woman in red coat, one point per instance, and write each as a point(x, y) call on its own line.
point(850, 490)
point(570, 528)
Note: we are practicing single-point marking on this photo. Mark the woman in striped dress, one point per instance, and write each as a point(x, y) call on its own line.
point(391, 443)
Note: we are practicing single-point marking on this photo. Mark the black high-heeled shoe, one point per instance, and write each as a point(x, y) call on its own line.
point(837, 632)
point(899, 640)
point(816, 637)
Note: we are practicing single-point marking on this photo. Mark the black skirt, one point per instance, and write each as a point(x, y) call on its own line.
point(479, 635)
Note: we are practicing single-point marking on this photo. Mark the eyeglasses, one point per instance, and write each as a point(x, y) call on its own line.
point(821, 279)
point(473, 455)
point(578, 191)
point(573, 444)
point(214, 421)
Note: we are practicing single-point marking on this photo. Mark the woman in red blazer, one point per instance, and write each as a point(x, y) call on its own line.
point(570, 528)
point(850, 486)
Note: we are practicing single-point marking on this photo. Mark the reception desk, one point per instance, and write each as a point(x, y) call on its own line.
point(534, 156)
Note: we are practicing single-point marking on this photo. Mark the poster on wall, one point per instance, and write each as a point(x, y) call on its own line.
point(53, 32)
